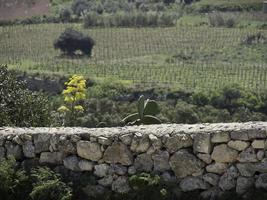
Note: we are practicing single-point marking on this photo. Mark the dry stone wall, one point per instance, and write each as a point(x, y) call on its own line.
point(212, 158)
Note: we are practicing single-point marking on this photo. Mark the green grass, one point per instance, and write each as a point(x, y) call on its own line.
point(228, 5)
point(184, 56)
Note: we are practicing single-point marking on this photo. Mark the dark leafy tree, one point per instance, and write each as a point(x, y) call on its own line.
point(70, 41)
point(79, 7)
point(19, 106)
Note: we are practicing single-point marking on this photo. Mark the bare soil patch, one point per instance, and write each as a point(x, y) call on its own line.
point(17, 9)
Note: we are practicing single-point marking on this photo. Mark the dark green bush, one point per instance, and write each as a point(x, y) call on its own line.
point(70, 41)
point(19, 106)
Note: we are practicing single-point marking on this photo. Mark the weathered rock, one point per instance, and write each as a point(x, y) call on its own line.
point(167, 177)
point(220, 137)
point(89, 150)
point(258, 144)
point(126, 139)
point(106, 181)
point(202, 143)
point(248, 155)
point(205, 157)
point(54, 158)
point(193, 183)
point(140, 144)
point(262, 166)
point(118, 153)
point(211, 193)
point(104, 140)
point(17, 140)
point(161, 161)
point(117, 169)
point(28, 149)
point(131, 170)
point(155, 142)
point(260, 154)
point(143, 163)
point(211, 178)
point(223, 154)
point(184, 164)
point(217, 168)
point(261, 182)
point(238, 145)
point(239, 135)
point(246, 169)
point(121, 185)
point(256, 134)
point(101, 170)
point(178, 141)
point(228, 179)
point(13, 150)
point(243, 184)
point(85, 165)
point(72, 163)
point(41, 142)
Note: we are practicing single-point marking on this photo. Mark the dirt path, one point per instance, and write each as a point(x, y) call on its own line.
point(13, 9)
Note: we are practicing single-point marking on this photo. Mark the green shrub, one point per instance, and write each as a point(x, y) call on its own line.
point(19, 106)
point(14, 183)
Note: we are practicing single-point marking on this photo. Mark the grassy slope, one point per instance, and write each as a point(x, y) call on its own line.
point(187, 56)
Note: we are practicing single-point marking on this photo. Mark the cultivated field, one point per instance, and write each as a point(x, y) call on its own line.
point(188, 57)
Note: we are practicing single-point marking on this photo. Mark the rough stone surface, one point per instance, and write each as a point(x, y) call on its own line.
point(223, 154)
point(161, 161)
point(220, 137)
point(85, 165)
point(143, 163)
point(258, 144)
point(238, 145)
point(202, 143)
point(193, 183)
point(72, 163)
point(13, 150)
point(118, 153)
point(121, 185)
point(228, 179)
point(185, 164)
point(212, 179)
point(41, 142)
point(101, 170)
point(261, 182)
point(217, 168)
point(89, 150)
point(205, 157)
point(243, 184)
point(28, 149)
point(178, 141)
point(248, 155)
point(54, 158)
point(210, 158)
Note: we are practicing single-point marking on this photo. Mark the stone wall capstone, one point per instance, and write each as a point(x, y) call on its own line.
point(206, 157)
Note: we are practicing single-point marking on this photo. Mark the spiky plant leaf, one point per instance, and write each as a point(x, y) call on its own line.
point(141, 106)
point(149, 119)
point(131, 118)
point(151, 108)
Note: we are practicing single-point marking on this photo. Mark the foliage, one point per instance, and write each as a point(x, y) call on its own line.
point(79, 7)
point(14, 183)
point(65, 15)
point(19, 106)
point(73, 95)
point(257, 38)
point(71, 41)
point(218, 19)
point(147, 109)
point(48, 185)
point(39, 184)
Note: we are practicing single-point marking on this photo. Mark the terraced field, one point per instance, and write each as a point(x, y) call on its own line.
point(190, 57)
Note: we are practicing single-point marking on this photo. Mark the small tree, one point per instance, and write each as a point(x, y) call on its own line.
point(71, 41)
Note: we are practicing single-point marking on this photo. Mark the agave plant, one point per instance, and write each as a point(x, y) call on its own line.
point(147, 109)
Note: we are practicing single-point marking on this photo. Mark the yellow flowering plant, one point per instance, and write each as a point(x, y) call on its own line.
point(74, 93)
